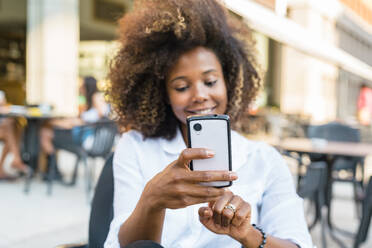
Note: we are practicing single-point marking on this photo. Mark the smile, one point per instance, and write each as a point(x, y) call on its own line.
point(202, 111)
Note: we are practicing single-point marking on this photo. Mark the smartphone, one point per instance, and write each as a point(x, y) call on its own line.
point(211, 132)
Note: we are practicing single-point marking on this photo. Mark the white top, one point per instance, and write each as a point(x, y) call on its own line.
point(264, 181)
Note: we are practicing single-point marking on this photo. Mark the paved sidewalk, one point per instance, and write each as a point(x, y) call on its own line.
point(37, 220)
point(343, 211)
point(344, 216)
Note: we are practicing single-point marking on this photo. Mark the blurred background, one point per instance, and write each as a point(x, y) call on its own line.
point(316, 61)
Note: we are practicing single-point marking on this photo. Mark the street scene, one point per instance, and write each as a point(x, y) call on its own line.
point(185, 123)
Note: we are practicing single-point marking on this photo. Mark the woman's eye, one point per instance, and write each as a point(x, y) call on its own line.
point(211, 83)
point(181, 89)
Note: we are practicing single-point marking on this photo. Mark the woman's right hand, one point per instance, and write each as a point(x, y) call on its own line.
point(178, 187)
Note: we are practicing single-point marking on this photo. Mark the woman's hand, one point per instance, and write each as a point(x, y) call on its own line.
point(230, 215)
point(178, 187)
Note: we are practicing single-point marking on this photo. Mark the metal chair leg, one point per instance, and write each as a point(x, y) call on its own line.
point(318, 213)
point(74, 175)
point(87, 172)
point(51, 172)
point(362, 231)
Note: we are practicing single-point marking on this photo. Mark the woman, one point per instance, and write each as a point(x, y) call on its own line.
point(181, 58)
point(67, 133)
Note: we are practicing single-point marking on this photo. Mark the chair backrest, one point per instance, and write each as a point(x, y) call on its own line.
point(314, 180)
point(334, 131)
point(102, 210)
point(104, 137)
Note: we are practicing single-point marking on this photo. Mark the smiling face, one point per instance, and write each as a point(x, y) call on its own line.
point(196, 86)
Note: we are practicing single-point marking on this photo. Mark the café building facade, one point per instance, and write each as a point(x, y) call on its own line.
point(315, 54)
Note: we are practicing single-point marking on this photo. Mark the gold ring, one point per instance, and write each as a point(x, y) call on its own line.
point(231, 207)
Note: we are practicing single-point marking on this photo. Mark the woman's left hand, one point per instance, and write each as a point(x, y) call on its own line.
point(230, 215)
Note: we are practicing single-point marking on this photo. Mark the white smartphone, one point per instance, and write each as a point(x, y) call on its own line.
point(211, 132)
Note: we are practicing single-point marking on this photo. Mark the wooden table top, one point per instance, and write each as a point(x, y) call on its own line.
point(322, 146)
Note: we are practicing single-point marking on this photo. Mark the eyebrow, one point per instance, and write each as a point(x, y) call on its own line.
point(184, 78)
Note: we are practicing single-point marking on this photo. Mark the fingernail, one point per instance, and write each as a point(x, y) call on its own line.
point(209, 153)
point(233, 175)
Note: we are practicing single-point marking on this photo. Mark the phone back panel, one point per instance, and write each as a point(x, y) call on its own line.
point(214, 135)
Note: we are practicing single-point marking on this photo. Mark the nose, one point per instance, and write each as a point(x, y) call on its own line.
point(200, 93)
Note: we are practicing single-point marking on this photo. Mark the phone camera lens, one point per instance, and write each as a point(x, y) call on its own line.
point(197, 127)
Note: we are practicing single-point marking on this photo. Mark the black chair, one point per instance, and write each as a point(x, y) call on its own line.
point(312, 187)
point(101, 146)
point(102, 210)
point(104, 133)
point(342, 133)
point(365, 221)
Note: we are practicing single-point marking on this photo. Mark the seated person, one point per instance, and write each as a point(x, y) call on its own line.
point(180, 58)
point(65, 133)
point(10, 134)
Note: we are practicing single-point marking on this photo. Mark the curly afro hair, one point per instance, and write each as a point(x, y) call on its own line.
point(152, 37)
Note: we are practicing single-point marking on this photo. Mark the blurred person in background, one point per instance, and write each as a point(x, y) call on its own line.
point(10, 134)
point(65, 133)
point(365, 105)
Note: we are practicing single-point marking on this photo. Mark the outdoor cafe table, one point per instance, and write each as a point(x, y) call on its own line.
point(329, 148)
point(304, 145)
point(31, 139)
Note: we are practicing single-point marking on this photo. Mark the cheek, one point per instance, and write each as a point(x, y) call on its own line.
point(178, 104)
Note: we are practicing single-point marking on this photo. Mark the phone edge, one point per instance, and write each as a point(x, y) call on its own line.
point(207, 117)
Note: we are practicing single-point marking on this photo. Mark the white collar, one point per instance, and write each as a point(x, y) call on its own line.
point(175, 145)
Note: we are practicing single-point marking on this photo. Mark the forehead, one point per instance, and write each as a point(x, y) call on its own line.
point(197, 60)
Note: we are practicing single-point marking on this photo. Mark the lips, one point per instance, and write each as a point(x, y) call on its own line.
point(201, 111)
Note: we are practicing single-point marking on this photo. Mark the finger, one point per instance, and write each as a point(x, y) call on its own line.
point(188, 201)
point(219, 205)
point(242, 213)
point(205, 213)
point(211, 176)
point(206, 216)
point(196, 190)
point(226, 217)
point(193, 153)
point(228, 214)
point(195, 194)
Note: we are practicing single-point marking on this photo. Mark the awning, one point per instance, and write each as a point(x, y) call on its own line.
point(292, 34)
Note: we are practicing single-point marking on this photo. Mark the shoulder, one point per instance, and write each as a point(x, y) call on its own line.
point(257, 152)
point(250, 146)
point(131, 135)
point(128, 149)
point(135, 140)
point(98, 96)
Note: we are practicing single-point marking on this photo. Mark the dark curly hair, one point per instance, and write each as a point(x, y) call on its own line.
point(152, 37)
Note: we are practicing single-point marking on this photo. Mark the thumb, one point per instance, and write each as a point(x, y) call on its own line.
point(189, 154)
